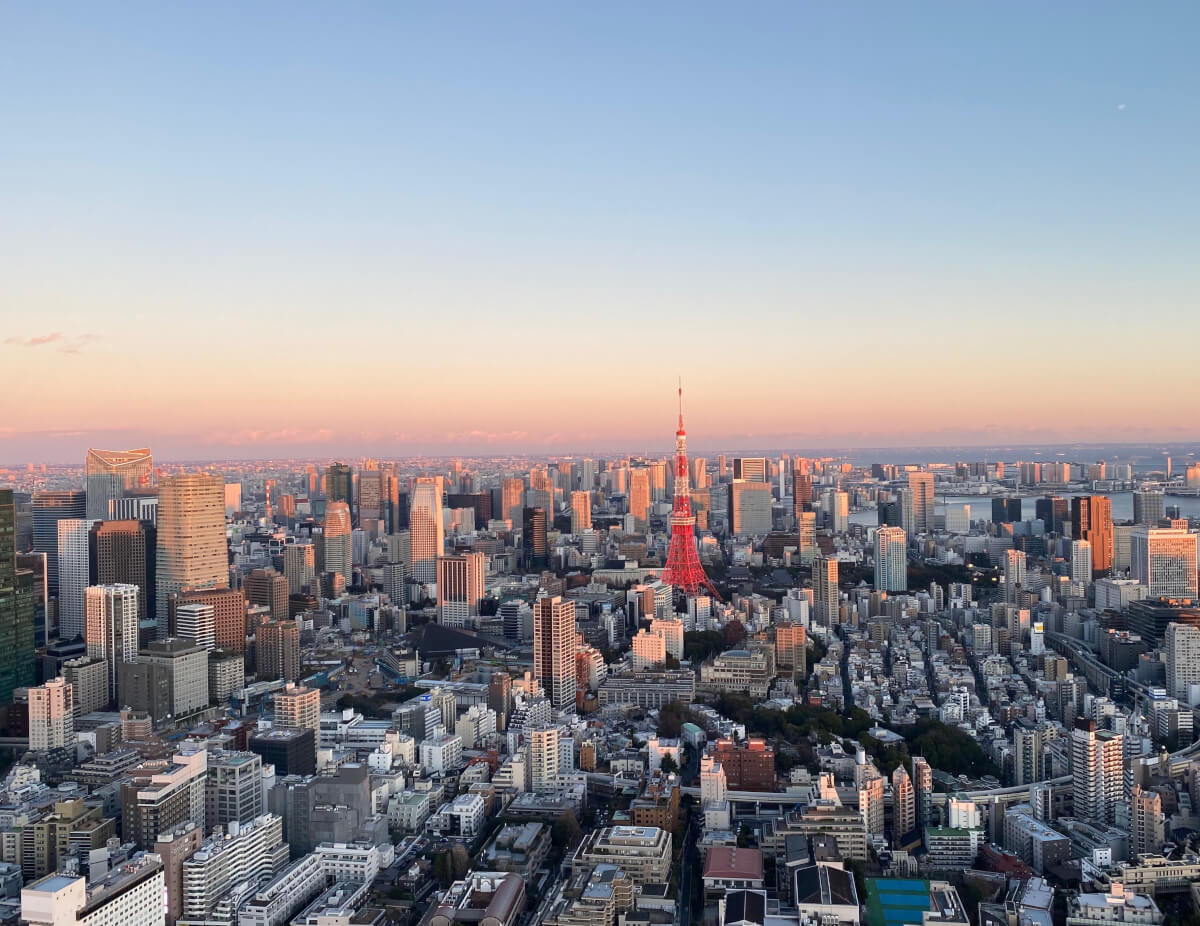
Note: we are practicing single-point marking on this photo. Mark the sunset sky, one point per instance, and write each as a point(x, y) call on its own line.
point(274, 229)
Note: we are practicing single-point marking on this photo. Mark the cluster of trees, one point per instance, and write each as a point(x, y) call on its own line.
point(699, 645)
point(378, 706)
point(945, 747)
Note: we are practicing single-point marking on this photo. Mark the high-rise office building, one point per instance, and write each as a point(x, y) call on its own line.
point(48, 509)
point(268, 588)
point(299, 566)
point(891, 559)
point(806, 537)
point(1081, 566)
point(921, 486)
point(1091, 520)
point(922, 779)
point(111, 627)
point(112, 474)
point(196, 622)
point(802, 493)
point(581, 512)
point(1148, 507)
point(339, 485)
point(1014, 575)
point(534, 543)
point(122, 553)
point(639, 497)
point(825, 591)
point(426, 528)
point(554, 648)
point(1052, 511)
point(229, 615)
point(192, 550)
point(1164, 560)
point(749, 508)
point(74, 575)
point(750, 469)
point(51, 716)
point(512, 499)
point(337, 536)
point(460, 585)
point(17, 667)
point(1182, 645)
point(372, 493)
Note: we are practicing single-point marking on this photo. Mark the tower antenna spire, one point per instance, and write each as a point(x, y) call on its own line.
point(681, 403)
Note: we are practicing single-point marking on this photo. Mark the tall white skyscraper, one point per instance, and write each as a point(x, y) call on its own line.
point(1081, 566)
point(73, 572)
point(192, 549)
point(112, 627)
point(1182, 645)
point(891, 559)
point(338, 544)
point(1164, 560)
point(426, 528)
point(921, 486)
point(826, 596)
point(1014, 574)
point(840, 512)
point(1097, 772)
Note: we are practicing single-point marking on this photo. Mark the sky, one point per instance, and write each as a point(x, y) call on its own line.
point(255, 230)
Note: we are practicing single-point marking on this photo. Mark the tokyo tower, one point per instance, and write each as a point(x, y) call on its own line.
point(683, 568)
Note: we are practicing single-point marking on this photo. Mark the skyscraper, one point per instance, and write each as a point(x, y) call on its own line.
point(111, 474)
point(197, 623)
point(891, 559)
point(825, 591)
point(1081, 566)
point(299, 566)
point(339, 485)
point(801, 493)
point(74, 574)
point(460, 585)
point(268, 588)
point(426, 528)
point(904, 806)
point(122, 553)
point(229, 614)
point(48, 509)
point(1148, 507)
point(1164, 560)
point(338, 543)
point(1091, 520)
point(111, 631)
point(1028, 765)
point(581, 512)
point(639, 497)
point(1052, 511)
point(512, 499)
point(1182, 645)
point(921, 486)
point(554, 648)
point(751, 469)
point(534, 553)
point(1146, 834)
point(16, 606)
point(1097, 771)
point(749, 508)
point(192, 550)
point(277, 650)
point(1014, 575)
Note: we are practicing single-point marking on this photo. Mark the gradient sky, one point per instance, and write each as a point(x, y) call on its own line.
point(265, 229)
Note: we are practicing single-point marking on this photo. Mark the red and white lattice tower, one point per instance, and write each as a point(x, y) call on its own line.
point(683, 568)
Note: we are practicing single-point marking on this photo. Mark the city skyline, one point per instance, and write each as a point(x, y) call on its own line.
point(813, 208)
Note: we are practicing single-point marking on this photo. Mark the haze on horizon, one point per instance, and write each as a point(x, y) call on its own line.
point(275, 231)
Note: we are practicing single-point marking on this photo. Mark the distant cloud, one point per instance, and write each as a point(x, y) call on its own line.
point(63, 344)
point(1121, 107)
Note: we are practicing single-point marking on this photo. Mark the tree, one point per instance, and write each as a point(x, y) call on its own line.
point(565, 830)
point(699, 645)
point(734, 633)
point(743, 836)
point(668, 765)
